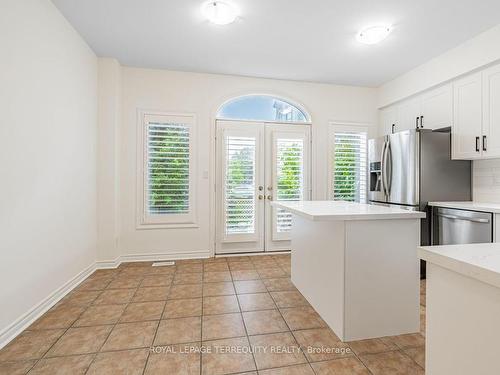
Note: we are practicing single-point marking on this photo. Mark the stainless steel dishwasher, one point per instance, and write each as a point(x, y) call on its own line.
point(453, 226)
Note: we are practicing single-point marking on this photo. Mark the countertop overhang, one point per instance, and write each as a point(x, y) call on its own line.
point(340, 210)
point(478, 261)
point(469, 205)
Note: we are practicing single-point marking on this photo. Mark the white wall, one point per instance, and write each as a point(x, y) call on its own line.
point(48, 111)
point(473, 54)
point(203, 94)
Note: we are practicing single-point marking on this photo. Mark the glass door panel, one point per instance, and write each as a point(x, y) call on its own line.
point(287, 178)
point(240, 174)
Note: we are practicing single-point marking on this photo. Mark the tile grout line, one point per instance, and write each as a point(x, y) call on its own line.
point(142, 277)
point(244, 325)
point(156, 332)
point(295, 338)
point(201, 317)
point(293, 335)
point(403, 351)
point(67, 328)
point(113, 327)
point(158, 325)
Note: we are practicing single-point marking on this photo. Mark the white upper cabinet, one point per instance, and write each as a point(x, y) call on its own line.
point(470, 104)
point(430, 110)
point(388, 120)
point(467, 118)
point(408, 114)
point(491, 113)
point(476, 120)
point(437, 108)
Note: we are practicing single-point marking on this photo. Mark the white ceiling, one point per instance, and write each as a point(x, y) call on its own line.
point(309, 40)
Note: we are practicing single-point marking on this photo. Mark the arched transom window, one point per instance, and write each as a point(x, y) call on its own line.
point(262, 108)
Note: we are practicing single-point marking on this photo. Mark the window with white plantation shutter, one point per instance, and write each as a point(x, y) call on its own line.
point(239, 189)
point(348, 167)
point(290, 178)
point(168, 169)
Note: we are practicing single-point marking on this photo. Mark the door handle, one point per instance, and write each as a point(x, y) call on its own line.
point(382, 177)
point(477, 144)
point(484, 143)
point(387, 182)
point(393, 128)
point(422, 122)
point(455, 217)
point(416, 123)
point(270, 197)
point(261, 197)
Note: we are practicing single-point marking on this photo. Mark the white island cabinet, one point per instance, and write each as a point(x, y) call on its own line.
point(462, 309)
point(357, 265)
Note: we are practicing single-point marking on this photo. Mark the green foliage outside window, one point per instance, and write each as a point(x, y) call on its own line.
point(168, 169)
point(240, 171)
point(290, 173)
point(346, 162)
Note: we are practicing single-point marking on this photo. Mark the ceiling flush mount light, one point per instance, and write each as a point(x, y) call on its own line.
point(219, 12)
point(374, 34)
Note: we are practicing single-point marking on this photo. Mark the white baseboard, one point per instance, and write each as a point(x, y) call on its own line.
point(107, 264)
point(164, 256)
point(9, 333)
point(263, 253)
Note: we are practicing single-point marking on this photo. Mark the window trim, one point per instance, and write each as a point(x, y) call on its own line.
point(143, 219)
point(348, 127)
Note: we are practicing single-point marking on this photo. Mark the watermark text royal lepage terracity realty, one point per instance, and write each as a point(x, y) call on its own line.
point(238, 349)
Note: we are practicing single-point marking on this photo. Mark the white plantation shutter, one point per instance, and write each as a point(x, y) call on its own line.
point(168, 169)
point(348, 164)
point(239, 186)
point(290, 178)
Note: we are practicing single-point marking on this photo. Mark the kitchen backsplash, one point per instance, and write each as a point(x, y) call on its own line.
point(486, 180)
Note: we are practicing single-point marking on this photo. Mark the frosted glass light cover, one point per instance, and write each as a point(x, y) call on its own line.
point(219, 12)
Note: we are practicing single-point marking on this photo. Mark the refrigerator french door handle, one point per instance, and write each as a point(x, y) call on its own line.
point(382, 177)
point(384, 169)
point(388, 157)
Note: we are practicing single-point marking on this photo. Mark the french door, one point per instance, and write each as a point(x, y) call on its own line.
point(256, 164)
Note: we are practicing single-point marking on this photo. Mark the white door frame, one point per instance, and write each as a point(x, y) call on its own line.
point(270, 130)
point(274, 241)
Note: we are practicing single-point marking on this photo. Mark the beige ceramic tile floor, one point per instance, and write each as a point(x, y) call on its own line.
point(199, 317)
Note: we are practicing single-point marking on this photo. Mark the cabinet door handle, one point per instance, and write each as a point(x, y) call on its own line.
point(484, 143)
point(416, 123)
point(477, 144)
point(393, 128)
point(422, 122)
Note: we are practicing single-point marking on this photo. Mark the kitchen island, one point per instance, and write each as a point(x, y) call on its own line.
point(357, 265)
point(462, 309)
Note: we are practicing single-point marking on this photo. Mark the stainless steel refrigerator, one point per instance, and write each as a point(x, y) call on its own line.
point(413, 167)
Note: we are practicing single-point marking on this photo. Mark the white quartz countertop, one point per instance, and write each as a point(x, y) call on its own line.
point(478, 261)
point(472, 206)
point(339, 210)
